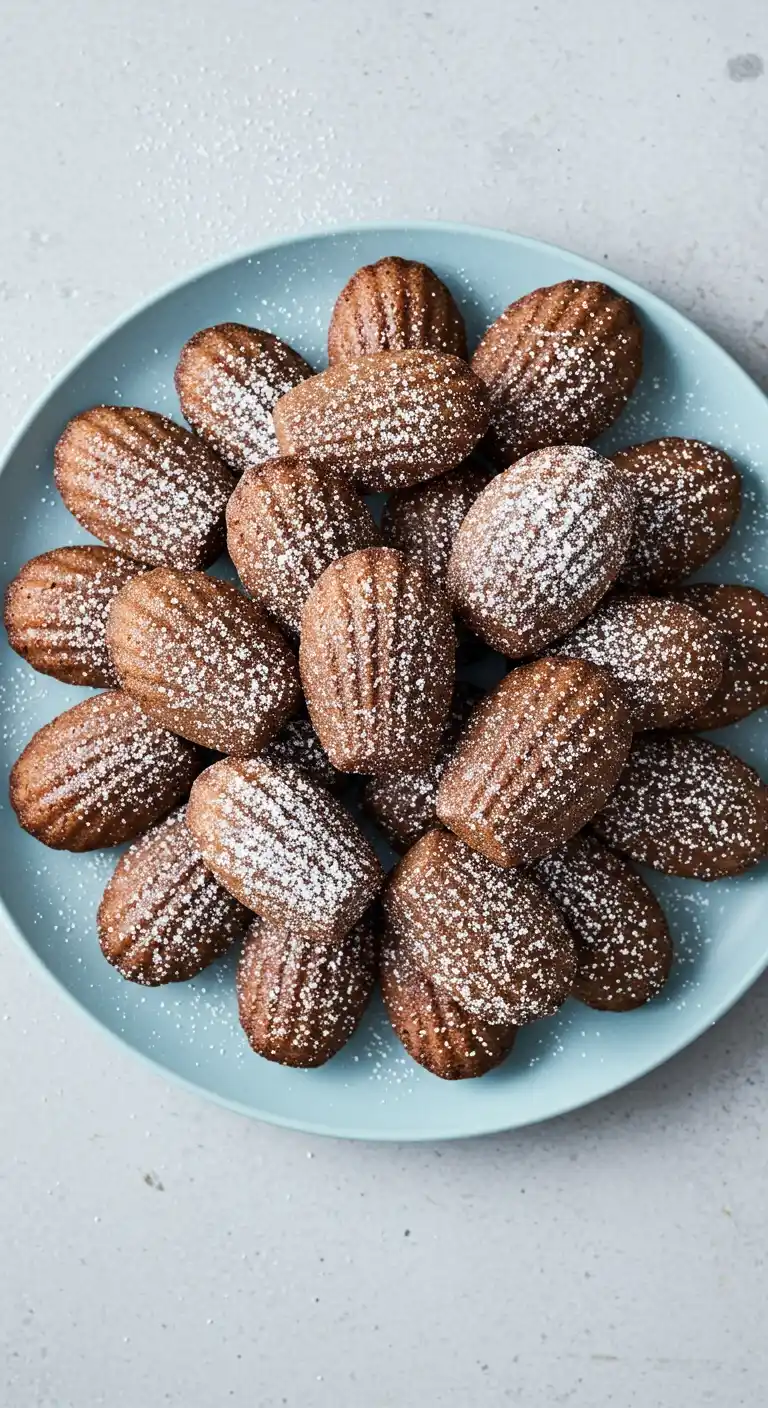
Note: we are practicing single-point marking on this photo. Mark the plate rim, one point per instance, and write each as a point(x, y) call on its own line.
point(601, 272)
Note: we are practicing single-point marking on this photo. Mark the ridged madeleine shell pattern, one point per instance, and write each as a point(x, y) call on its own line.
point(301, 1000)
point(560, 365)
point(228, 379)
point(740, 617)
point(202, 660)
point(403, 804)
point(141, 484)
point(387, 420)
point(623, 944)
point(489, 938)
point(100, 774)
point(687, 807)
point(665, 656)
point(377, 660)
point(687, 500)
point(539, 757)
point(392, 305)
point(437, 1032)
point(283, 846)
point(423, 522)
point(163, 917)
point(56, 611)
point(287, 522)
point(539, 548)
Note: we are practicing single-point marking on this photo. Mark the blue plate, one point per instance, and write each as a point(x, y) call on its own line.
point(372, 1090)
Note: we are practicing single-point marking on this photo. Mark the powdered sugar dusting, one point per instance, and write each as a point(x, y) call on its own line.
point(229, 378)
point(164, 917)
point(386, 420)
point(56, 612)
point(99, 774)
point(203, 660)
point(282, 845)
point(623, 944)
point(666, 658)
point(688, 497)
point(286, 522)
point(687, 807)
point(300, 999)
point(143, 485)
point(539, 547)
point(487, 936)
point(377, 660)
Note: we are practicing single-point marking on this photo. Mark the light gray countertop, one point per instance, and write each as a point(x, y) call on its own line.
point(156, 1249)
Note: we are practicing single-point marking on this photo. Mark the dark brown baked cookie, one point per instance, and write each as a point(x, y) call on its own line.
point(687, 499)
point(687, 807)
point(298, 743)
point(403, 804)
point(665, 656)
point(228, 379)
point(423, 522)
point(283, 846)
point(436, 1031)
point(560, 365)
point(386, 420)
point(487, 937)
point(144, 486)
point(539, 548)
point(202, 660)
point(377, 662)
point(286, 522)
point(392, 305)
point(740, 617)
point(539, 757)
point(623, 945)
point(163, 918)
point(56, 612)
point(300, 999)
point(99, 774)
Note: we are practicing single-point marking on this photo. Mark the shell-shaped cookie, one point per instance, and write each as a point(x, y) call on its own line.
point(687, 499)
point(143, 485)
point(434, 1029)
point(286, 522)
point(423, 522)
point(539, 757)
point(202, 660)
point(393, 305)
point(386, 420)
point(297, 743)
point(667, 658)
point(228, 379)
point(687, 807)
point(377, 659)
point(403, 804)
point(163, 917)
point(301, 1000)
point(99, 774)
point(283, 845)
point(623, 944)
point(540, 547)
point(488, 937)
point(739, 615)
point(56, 611)
point(560, 365)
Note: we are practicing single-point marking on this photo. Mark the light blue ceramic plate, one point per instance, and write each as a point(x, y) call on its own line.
point(373, 1090)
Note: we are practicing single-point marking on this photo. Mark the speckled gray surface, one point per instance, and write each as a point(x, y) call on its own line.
point(157, 1250)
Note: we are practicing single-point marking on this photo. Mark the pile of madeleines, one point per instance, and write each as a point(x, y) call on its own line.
point(230, 721)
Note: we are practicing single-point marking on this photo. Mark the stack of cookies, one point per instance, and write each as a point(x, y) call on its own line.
point(234, 726)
